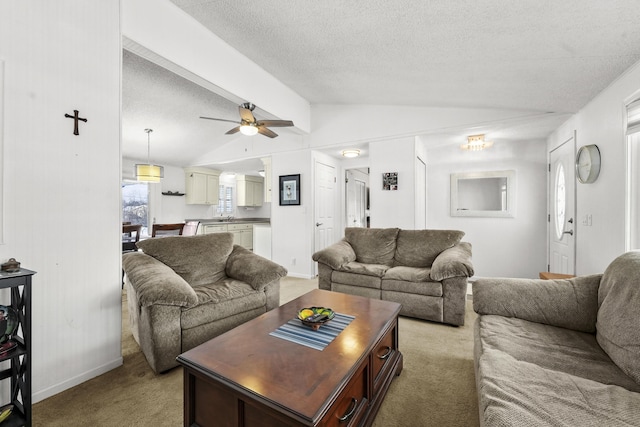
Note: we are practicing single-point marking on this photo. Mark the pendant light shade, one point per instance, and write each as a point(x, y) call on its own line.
point(148, 172)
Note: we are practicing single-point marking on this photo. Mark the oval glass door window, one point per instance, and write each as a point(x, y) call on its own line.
point(561, 200)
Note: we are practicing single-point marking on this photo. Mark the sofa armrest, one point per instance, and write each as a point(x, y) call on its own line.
point(156, 283)
point(253, 269)
point(453, 262)
point(336, 254)
point(571, 304)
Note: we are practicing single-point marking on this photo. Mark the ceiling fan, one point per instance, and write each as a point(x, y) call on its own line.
point(248, 125)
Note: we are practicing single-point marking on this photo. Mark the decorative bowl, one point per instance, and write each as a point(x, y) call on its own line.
point(314, 317)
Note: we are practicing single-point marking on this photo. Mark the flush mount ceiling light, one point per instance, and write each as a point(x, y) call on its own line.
point(476, 143)
point(350, 153)
point(148, 172)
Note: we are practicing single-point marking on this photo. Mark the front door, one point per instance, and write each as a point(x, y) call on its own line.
point(562, 207)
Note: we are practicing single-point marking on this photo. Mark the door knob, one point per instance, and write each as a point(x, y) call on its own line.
point(570, 221)
point(570, 232)
point(318, 224)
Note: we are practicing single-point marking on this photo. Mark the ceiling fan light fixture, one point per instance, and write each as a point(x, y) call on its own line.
point(249, 129)
point(351, 153)
point(476, 143)
point(149, 172)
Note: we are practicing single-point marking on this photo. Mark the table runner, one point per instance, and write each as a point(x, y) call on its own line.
point(298, 333)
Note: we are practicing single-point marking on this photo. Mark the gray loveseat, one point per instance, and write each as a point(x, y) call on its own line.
point(560, 352)
point(424, 270)
point(183, 291)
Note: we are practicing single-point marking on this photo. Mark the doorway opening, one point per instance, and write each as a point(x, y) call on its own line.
point(357, 198)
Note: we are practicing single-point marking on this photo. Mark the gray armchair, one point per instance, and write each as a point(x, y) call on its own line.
point(183, 291)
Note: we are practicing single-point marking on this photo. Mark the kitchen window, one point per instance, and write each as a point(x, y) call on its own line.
point(225, 200)
point(135, 204)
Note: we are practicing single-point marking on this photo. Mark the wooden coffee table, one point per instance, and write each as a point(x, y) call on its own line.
point(248, 378)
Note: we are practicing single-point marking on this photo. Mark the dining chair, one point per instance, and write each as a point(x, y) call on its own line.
point(130, 236)
point(164, 230)
point(190, 228)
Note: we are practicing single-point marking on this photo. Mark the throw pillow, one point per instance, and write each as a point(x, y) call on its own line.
point(418, 248)
point(617, 325)
point(372, 245)
point(199, 260)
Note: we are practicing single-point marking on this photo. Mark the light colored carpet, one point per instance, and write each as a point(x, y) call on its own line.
point(436, 387)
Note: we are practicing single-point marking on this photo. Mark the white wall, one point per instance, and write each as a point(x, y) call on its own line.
point(502, 247)
point(61, 191)
point(601, 122)
point(291, 226)
point(393, 208)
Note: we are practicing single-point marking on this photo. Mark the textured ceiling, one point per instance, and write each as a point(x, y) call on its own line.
point(543, 55)
point(528, 56)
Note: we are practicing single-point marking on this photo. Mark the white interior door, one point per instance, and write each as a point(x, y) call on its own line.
point(562, 206)
point(325, 186)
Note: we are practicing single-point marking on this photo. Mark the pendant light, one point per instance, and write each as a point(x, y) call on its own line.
point(148, 172)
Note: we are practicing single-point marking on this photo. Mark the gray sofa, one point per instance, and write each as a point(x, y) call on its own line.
point(560, 352)
point(424, 270)
point(183, 291)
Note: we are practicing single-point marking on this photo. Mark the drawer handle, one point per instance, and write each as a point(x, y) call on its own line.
point(387, 354)
point(348, 415)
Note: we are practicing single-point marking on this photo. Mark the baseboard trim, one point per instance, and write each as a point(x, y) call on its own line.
point(72, 382)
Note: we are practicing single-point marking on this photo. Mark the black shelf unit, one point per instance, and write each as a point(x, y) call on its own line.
point(20, 357)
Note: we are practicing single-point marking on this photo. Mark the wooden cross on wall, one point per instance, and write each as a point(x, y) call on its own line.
point(75, 119)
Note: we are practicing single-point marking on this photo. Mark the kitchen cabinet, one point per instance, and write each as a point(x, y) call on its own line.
point(250, 190)
point(242, 233)
point(202, 186)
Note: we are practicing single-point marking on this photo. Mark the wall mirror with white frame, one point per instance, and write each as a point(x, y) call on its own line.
point(483, 194)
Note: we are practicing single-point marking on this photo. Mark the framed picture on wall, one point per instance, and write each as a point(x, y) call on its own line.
point(390, 181)
point(289, 190)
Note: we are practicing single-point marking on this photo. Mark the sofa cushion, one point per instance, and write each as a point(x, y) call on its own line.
point(372, 245)
point(356, 279)
point(376, 270)
point(222, 299)
point(553, 348)
point(516, 393)
point(409, 274)
point(432, 289)
point(199, 260)
point(418, 248)
point(617, 325)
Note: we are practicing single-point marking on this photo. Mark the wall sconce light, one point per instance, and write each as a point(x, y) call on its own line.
point(350, 153)
point(476, 143)
point(148, 172)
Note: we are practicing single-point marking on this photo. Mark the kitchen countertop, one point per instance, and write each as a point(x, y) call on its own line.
point(224, 220)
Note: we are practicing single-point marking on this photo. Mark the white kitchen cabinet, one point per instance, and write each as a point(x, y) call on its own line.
point(250, 190)
point(202, 186)
point(242, 235)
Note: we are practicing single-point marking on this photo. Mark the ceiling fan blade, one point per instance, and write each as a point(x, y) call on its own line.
point(266, 132)
point(234, 130)
point(275, 123)
point(219, 120)
point(246, 115)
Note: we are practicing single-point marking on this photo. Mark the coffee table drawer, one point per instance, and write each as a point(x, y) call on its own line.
point(351, 404)
point(381, 355)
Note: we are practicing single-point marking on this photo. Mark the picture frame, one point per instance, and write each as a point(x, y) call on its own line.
point(289, 190)
point(390, 181)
